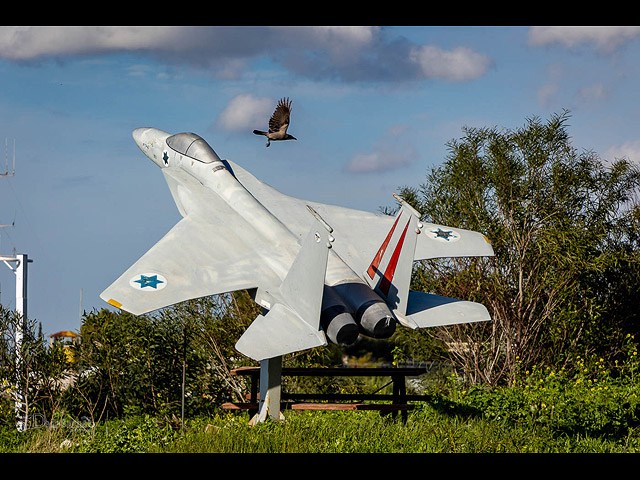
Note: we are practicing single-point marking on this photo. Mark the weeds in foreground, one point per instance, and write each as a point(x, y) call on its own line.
point(588, 399)
point(588, 408)
point(427, 430)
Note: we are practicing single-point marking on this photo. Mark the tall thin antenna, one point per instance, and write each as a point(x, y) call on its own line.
point(18, 264)
point(7, 174)
point(6, 158)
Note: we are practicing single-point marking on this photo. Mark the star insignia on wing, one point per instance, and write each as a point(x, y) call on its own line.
point(444, 234)
point(150, 281)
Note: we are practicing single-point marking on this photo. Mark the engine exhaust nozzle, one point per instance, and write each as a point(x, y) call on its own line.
point(336, 321)
point(370, 312)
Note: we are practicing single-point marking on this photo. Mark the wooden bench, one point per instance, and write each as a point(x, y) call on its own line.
point(336, 401)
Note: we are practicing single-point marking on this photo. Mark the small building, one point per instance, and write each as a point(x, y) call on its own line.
point(67, 337)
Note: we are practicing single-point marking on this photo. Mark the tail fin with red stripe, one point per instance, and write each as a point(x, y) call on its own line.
point(389, 273)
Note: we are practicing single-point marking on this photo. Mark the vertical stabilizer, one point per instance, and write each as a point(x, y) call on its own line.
point(389, 273)
point(293, 324)
point(303, 286)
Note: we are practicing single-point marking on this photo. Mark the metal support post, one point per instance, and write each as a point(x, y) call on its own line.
point(270, 390)
point(20, 269)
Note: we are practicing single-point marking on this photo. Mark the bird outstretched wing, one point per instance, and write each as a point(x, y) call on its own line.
point(279, 121)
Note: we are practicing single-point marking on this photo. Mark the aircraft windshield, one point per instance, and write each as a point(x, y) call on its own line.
point(193, 146)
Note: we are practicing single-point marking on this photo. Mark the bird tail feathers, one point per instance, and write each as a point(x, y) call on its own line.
point(259, 132)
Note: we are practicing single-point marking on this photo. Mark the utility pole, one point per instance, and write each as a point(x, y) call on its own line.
point(18, 264)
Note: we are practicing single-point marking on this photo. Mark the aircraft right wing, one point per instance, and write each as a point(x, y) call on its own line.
point(201, 255)
point(183, 265)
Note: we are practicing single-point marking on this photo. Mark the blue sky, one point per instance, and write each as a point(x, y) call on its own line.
point(373, 109)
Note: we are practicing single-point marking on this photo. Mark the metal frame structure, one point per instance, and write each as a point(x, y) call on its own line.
point(271, 399)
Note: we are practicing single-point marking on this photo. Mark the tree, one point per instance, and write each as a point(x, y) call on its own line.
point(564, 227)
point(157, 363)
point(31, 371)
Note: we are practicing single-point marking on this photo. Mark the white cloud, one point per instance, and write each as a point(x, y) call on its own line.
point(389, 153)
point(546, 93)
point(194, 44)
point(375, 162)
point(139, 70)
point(246, 111)
point(606, 39)
point(336, 39)
point(593, 92)
point(459, 64)
point(337, 53)
point(231, 70)
point(28, 43)
point(629, 150)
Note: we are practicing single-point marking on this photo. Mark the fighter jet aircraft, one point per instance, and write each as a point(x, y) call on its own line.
point(321, 272)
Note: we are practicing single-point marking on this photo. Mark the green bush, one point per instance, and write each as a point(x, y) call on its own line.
point(589, 398)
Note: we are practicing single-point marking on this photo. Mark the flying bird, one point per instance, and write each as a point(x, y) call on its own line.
point(278, 123)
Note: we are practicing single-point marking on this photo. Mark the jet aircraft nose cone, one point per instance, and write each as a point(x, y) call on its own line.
point(152, 142)
point(138, 135)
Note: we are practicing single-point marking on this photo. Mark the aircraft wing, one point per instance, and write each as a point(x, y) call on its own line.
point(361, 233)
point(199, 256)
point(440, 241)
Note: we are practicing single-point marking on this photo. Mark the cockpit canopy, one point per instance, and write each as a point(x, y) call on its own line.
point(193, 146)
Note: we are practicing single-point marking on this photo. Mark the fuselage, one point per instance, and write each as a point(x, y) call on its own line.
point(191, 154)
point(273, 241)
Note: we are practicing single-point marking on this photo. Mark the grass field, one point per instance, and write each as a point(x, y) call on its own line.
point(427, 430)
point(589, 409)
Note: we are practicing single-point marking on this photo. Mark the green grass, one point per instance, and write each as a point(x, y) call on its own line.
point(427, 430)
point(587, 409)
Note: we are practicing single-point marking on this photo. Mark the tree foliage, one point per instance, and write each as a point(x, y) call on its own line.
point(564, 227)
point(126, 364)
point(149, 363)
point(31, 370)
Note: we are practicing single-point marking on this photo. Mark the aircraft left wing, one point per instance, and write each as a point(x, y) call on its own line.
point(360, 232)
point(192, 260)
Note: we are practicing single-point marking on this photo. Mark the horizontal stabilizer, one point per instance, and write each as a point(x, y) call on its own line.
point(277, 333)
point(439, 241)
point(427, 310)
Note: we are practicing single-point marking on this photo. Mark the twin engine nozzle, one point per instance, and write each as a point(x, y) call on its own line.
point(352, 308)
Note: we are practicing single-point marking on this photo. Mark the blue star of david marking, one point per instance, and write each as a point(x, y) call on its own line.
point(446, 234)
point(151, 281)
point(165, 157)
